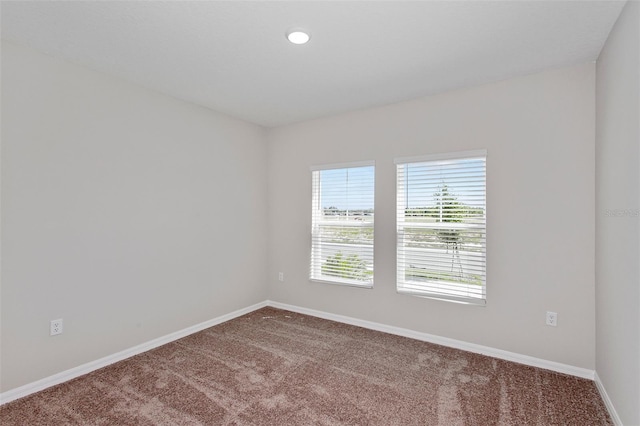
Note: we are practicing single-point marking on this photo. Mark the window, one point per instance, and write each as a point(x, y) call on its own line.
point(342, 224)
point(441, 226)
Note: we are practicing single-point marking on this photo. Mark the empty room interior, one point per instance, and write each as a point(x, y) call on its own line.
point(272, 212)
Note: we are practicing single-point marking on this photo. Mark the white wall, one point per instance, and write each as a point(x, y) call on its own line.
point(118, 213)
point(127, 213)
point(539, 132)
point(618, 235)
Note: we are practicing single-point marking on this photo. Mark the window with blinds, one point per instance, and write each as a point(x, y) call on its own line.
point(441, 226)
point(342, 224)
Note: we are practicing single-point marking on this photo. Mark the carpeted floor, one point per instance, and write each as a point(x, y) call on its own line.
point(274, 367)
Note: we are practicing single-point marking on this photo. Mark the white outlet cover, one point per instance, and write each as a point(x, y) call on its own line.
point(552, 318)
point(56, 327)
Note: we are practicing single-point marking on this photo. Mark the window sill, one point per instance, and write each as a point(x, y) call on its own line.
point(443, 297)
point(342, 283)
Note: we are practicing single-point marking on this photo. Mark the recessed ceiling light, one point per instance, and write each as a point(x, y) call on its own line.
point(298, 36)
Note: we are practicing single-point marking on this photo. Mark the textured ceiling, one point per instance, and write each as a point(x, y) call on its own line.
point(232, 56)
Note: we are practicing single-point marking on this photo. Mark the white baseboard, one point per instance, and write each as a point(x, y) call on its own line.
point(607, 401)
point(72, 373)
point(444, 341)
point(80, 370)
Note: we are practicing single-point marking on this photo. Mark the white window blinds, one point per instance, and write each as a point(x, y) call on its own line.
point(342, 224)
point(441, 226)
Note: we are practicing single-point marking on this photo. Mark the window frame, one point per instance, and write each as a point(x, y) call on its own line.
point(448, 290)
point(316, 262)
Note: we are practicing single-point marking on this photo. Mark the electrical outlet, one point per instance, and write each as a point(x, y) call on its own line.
point(56, 327)
point(280, 276)
point(552, 318)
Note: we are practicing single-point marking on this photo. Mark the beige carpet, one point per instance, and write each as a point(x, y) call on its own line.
point(274, 367)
